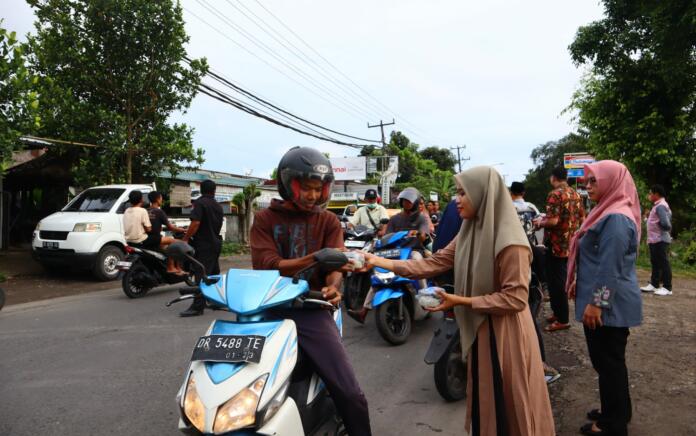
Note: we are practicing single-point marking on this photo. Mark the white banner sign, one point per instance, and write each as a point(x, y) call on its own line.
point(349, 168)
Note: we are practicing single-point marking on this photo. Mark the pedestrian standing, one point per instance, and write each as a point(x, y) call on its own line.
point(491, 257)
point(206, 222)
point(607, 300)
point(564, 215)
point(659, 241)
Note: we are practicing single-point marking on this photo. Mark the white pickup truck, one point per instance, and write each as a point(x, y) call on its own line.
point(87, 233)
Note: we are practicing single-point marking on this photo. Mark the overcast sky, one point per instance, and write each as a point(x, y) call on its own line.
point(492, 75)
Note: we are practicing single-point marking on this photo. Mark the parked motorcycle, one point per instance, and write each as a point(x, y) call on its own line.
point(145, 269)
point(248, 376)
point(445, 352)
point(395, 297)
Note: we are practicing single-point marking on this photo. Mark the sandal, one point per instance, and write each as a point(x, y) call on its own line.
point(587, 430)
point(555, 326)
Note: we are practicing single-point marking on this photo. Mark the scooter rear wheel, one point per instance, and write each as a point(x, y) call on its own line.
point(132, 287)
point(450, 373)
point(394, 330)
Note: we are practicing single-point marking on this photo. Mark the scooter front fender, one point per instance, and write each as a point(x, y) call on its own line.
point(445, 333)
point(286, 421)
point(385, 294)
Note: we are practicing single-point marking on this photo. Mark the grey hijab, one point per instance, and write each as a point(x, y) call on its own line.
point(480, 240)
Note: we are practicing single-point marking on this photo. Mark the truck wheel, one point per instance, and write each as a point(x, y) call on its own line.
point(394, 330)
point(450, 373)
point(105, 265)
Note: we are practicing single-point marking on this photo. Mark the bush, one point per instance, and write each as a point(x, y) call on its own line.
point(232, 248)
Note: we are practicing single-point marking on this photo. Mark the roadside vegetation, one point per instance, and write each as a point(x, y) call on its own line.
point(233, 248)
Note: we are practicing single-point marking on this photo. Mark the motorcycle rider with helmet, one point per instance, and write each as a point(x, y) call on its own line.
point(412, 220)
point(285, 237)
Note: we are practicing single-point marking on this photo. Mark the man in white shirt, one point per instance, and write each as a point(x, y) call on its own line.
point(522, 206)
point(136, 223)
point(371, 214)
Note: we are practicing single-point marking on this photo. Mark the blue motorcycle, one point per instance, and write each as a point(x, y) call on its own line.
point(395, 301)
point(248, 376)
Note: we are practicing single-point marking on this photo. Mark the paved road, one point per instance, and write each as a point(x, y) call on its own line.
point(99, 363)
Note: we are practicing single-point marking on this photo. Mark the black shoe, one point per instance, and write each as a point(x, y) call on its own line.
point(194, 310)
point(587, 430)
point(594, 415)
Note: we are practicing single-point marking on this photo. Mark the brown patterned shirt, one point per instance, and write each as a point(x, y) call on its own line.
point(565, 204)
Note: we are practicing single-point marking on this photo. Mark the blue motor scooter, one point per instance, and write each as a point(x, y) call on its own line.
point(395, 297)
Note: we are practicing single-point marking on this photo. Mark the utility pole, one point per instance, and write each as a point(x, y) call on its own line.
point(381, 126)
point(459, 156)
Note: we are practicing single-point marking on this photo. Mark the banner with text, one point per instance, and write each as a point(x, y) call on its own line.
point(349, 168)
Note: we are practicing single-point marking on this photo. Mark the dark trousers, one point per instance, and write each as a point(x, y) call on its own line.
point(535, 299)
point(319, 339)
point(208, 254)
point(661, 269)
point(607, 347)
point(556, 272)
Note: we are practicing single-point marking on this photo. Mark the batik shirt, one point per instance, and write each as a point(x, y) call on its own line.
point(565, 204)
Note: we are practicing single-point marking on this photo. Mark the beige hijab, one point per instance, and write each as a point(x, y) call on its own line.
point(480, 240)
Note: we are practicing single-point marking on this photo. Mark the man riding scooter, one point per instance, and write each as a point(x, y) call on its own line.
point(410, 219)
point(285, 237)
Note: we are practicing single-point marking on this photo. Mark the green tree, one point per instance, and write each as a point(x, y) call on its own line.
point(443, 157)
point(546, 157)
point(638, 102)
point(117, 74)
point(19, 102)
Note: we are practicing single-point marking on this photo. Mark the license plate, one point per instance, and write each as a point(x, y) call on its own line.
point(123, 265)
point(225, 348)
point(394, 253)
point(354, 244)
point(50, 245)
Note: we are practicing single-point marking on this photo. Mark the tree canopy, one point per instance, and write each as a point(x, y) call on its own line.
point(19, 102)
point(638, 100)
point(115, 73)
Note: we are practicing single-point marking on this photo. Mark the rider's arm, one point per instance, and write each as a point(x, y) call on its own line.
point(145, 220)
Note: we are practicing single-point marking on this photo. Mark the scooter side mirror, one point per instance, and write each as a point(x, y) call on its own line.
point(180, 250)
point(330, 259)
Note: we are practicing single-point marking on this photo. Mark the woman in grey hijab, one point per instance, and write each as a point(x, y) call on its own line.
point(491, 257)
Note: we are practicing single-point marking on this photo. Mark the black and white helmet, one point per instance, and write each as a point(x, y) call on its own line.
point(412, 195)
point(304, 163)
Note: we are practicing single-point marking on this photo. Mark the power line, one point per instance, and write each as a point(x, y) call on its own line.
point(222, 97)
point(269, 64)
point(301, 55)
point(272, 106)
point(413, 127)
point(279, 58)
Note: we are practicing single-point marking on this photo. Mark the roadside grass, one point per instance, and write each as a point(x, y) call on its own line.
point(232, 248)
point(682, 255)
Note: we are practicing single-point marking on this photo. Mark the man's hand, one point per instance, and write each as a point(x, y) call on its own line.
point(331, 294)
point(592, 317)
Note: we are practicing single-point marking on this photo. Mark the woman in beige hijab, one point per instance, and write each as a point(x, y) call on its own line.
point(506, 391)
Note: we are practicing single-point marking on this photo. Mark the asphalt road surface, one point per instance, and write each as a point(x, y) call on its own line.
point(100, 363)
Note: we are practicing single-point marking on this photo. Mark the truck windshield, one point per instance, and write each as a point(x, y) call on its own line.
point(94, 200)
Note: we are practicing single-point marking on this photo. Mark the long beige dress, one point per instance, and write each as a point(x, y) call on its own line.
point(526, 397)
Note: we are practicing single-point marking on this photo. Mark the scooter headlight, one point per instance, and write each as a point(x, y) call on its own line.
point(385, 277)
point(193, 406)
point(240, 411)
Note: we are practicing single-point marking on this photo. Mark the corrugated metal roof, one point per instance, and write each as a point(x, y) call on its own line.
point(218, 178)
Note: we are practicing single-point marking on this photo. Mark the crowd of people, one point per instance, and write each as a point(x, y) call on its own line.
point(586, 257)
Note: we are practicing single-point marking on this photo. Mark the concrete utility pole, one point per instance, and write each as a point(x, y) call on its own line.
point(459, 156)
point(381, 126)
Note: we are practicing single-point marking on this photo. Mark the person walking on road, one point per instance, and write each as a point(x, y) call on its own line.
point(285, 237)
point(491, 257)
point(206, 222)
point(659, 240)
point(602, 280)
point(564, 215)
